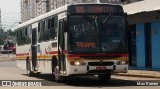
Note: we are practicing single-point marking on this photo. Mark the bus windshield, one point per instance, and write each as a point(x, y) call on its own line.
point(84, 34)
point(112, 34)
point(97, 33)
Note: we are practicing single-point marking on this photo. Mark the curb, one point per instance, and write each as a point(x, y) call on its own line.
point(137, 75)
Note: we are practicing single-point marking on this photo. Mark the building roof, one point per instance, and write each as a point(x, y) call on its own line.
point(142, 6)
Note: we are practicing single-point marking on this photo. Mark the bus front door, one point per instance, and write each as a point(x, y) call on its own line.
point(34, 49)
point(61, 46)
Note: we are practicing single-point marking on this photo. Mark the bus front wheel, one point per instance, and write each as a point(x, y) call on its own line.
point(57, 76)
point(55, 70)
point(104, 77)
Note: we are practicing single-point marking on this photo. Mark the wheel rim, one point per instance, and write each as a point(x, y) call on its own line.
point(56, 71)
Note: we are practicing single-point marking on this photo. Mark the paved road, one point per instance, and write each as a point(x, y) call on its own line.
point(7, 57)
point(9, 71)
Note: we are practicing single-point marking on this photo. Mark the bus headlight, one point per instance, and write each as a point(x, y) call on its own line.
point(78, 63)
point(121, 62)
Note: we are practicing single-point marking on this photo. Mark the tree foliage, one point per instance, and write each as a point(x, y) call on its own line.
point(5, 34)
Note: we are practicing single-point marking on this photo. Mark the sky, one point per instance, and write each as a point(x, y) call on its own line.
point(10, 13)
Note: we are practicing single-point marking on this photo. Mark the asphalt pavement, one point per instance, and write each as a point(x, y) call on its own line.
point(7, 57)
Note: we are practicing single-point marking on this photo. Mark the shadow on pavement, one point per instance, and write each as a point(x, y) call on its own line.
point(85, 81)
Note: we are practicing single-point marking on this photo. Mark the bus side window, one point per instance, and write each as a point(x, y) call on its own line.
point(23, 32)
point(46, 35)
point(53, 29)
point(39, 26)
point(17, 33)
point(23, 37)
point(41, 31)
point(27, 36)
point(26, 31)
point(18, 37)
point(49, 23)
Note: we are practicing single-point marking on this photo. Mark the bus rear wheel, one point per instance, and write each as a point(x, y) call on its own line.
point(28, 68)
point(104, 77)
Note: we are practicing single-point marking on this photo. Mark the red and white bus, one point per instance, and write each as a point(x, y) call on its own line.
point(76, 39)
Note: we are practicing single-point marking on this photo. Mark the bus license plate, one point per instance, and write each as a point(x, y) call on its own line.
point(101, 68)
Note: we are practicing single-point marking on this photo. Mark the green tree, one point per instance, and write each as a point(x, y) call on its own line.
point(4, 35)
point(11, 33)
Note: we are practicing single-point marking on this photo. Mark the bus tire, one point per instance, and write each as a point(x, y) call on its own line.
point(54, 63)
point(57, 76)
point(55, 70)
point(28, 68)
point(104, 77)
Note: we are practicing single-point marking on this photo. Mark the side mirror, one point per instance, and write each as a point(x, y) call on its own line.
point(65, 26)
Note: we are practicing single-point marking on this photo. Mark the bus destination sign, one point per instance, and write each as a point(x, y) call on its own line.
point(95, 9)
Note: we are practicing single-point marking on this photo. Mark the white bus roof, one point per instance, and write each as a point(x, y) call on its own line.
point(53, 12)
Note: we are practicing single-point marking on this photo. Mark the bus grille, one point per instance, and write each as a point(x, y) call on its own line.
point(100, 57)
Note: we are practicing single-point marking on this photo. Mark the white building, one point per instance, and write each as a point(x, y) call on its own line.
point(32, 8)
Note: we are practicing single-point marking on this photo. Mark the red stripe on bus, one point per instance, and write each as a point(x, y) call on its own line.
point(22, 54)
point(54, 52)
point(78, 55)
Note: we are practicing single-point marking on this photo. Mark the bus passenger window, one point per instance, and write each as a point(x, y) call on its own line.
point(46, 36)
point(53, 32)
point(26, 31)
point(52, 23)
point(41, 31)
point(49, 23)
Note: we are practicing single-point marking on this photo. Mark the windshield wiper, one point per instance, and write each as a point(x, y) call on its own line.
point(107, 18)
point(89, 19)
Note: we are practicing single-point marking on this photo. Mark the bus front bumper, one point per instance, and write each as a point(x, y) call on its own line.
point(88, 69)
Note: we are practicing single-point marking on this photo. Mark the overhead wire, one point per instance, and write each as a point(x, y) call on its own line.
point(9, 20)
